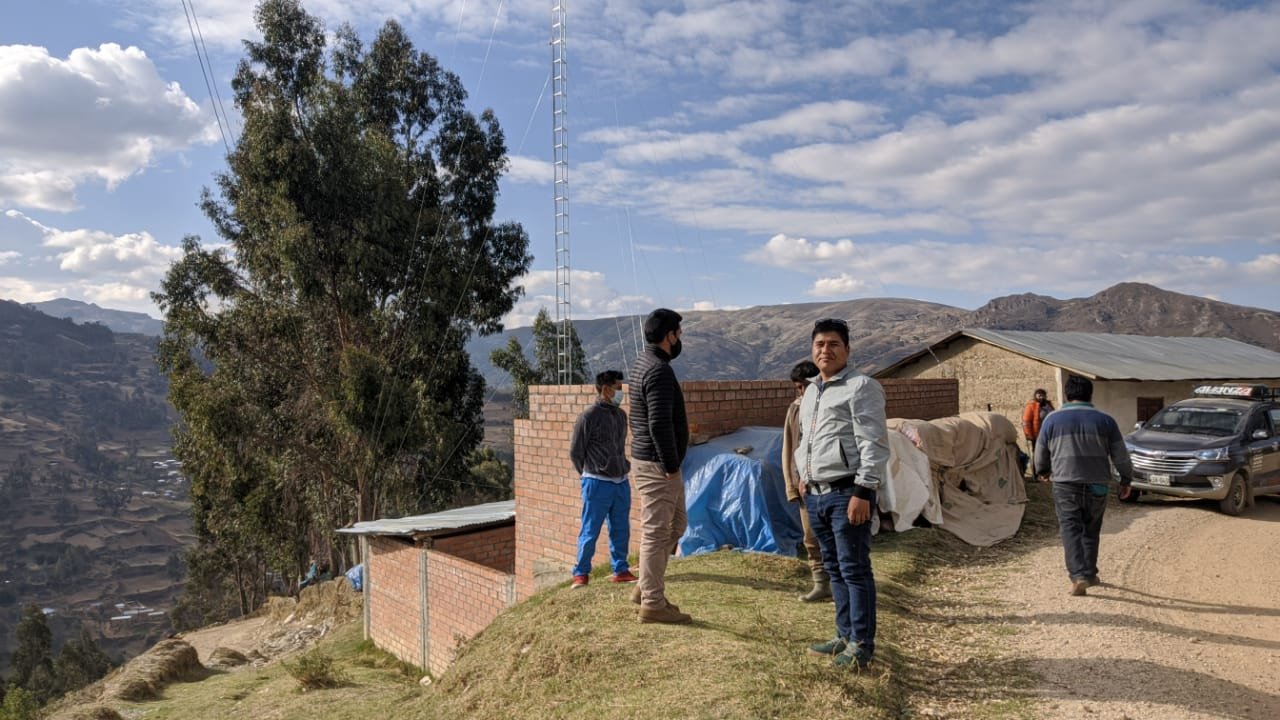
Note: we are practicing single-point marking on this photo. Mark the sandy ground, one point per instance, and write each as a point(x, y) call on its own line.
point(1186, 624)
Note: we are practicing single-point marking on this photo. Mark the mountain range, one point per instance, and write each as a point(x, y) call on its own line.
point(764, 342)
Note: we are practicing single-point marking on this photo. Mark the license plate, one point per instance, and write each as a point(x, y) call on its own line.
point(1159, 479)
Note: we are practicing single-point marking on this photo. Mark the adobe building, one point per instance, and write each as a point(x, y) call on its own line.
point(434, 581)
point(1133, 376)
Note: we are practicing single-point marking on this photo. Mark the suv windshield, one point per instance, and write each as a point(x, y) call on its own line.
point(1196, 421)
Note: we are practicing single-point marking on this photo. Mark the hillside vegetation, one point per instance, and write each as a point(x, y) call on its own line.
point(582, 655)
point(92, 510)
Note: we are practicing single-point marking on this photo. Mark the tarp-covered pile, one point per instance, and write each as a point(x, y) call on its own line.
point(958, 473)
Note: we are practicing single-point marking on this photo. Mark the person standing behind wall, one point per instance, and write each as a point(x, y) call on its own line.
point(800, 375)
point(843, 455)
point(598, 450)
point(1077, 447)
point(1033, 415)
point(659, 440)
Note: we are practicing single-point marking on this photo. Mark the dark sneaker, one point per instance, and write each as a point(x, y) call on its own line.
point(1078, 587)
point(1093, 581)
point(668, 614)
point(834, 646)
point(624, 577)
point(854, 655)
point(580, 581)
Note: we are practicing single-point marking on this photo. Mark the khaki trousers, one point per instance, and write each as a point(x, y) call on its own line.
point(812, 548)
point(662, 522)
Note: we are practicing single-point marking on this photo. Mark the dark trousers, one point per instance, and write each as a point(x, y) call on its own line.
point(846, 555)
point(1080, 514)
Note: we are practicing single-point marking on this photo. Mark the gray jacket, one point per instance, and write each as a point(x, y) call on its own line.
point(843, 434)
point(599, 441)
point(1079, 444)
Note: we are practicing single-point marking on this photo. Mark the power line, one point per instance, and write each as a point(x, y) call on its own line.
point(209, 61)
point(205, 73)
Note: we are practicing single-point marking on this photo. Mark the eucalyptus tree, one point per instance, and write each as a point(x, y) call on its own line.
point(316, 354)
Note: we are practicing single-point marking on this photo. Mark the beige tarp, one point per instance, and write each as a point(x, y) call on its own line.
point(973, 462)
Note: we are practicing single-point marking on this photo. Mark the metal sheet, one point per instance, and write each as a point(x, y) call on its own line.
point(1136, 357)
point(456, 519)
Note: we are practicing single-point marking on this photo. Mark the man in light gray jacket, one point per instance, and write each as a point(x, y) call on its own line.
point(842, 455)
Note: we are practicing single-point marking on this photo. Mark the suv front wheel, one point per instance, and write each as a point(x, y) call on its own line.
point(1237, 495)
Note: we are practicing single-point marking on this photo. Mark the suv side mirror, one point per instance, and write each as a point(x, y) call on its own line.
point(1261, 434)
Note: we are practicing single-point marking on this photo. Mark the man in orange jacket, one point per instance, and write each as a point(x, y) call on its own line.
point(1033, 416)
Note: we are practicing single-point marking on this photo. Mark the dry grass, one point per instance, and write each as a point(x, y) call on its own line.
point(581, 654)
point(144, 677)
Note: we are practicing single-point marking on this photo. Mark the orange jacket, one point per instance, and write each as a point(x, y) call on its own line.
point(1031, 419)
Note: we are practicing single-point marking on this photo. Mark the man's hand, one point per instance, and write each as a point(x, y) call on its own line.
point(859, 511)
point(802, 487)
point(1125, 492)
point(1043, 478)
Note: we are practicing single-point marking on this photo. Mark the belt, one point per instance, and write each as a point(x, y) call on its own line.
point(822, 488)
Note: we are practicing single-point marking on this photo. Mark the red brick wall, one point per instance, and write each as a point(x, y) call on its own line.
point(547, 490)
point(463, 598)
point(395, 597)
point(494, 548)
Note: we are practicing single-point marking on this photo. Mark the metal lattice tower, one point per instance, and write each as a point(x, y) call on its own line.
point(560, 143)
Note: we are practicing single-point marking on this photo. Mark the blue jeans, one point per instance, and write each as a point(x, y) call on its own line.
point(602, 499)
point(846, 555)
point(1080, 513)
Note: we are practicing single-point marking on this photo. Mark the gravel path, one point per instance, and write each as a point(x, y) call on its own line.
point(1185, 626)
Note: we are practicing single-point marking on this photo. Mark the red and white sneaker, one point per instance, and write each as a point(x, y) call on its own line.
point(624, 577)
point(579, 581)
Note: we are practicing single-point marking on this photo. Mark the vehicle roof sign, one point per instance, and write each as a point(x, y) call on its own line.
point(1249, 392)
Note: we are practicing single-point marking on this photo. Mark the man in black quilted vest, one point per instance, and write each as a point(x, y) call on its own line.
point(659, 440)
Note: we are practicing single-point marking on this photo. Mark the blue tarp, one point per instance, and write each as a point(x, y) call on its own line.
point(739, 500)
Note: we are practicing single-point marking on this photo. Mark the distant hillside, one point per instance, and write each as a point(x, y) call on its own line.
point(93, 510)
point(120, 321)
point(764, 342)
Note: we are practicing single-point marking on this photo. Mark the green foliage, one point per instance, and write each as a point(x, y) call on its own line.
point(315, 670)
point(18, 705)
point(64, 511)
point(81, 662)
point(491, 479)
point(543, 369)
point(318, 360)
point(75, 561)
point(32, 660)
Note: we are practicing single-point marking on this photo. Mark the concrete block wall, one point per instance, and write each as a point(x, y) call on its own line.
point(395, 597)
point(463, 597)
point(548, 490)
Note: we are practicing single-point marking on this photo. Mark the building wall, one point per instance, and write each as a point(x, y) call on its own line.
point(412, 587)
point(393, 572)
point(463, 597)
point(494, 548)
point(1004, 381)
point(548, 490)
point(990, 378)
point(1119, 398)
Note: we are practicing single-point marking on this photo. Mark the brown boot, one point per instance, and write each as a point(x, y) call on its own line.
point(668, 613)
point(635, 593)
point(1078, 587)
point(821, 591)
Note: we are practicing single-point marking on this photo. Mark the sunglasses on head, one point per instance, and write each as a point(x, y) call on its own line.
point(832, 321)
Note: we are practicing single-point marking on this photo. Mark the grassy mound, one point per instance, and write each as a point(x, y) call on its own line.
point(581, 654)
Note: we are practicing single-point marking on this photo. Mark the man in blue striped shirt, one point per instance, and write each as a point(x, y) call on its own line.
point(1076, 449)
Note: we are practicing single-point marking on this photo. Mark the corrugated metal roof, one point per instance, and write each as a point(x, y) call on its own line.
point(436, 523)
point(1129, 357)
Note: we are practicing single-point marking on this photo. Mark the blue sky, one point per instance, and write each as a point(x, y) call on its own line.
point(722, 154)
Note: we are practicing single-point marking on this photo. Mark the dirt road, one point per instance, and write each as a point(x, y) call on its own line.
point(1186, 624)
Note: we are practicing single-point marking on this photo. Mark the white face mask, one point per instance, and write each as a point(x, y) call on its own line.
point(617, 396)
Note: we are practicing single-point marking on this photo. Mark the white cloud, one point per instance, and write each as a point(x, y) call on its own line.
point(9, 256)
point(101, 113)
point(708, 305)
point(27, 291)
point(524, 169)
point(992, 270)
point(116, 270)
point(842, 285)
point(592, 296)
